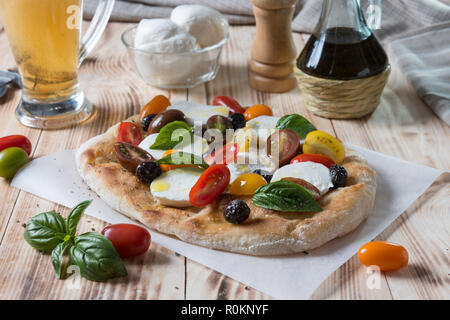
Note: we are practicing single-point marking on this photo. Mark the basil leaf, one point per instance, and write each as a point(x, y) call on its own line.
point(297, 123)
point(96, 257)
point(168, 138)
point(45, 231)
point(74, 217)
point(57, 257)
point(285, 196)
point(183, 158)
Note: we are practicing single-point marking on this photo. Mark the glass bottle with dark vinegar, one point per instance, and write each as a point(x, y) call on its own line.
point(342, 46)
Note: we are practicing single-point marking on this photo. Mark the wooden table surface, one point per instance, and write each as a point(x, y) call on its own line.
point(402, 126)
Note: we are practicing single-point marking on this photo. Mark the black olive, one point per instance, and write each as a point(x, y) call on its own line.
point(237, 211)
point(338, 176)
point(237, 120)
point(146, 121)
point(264, 174)
point(148, 171)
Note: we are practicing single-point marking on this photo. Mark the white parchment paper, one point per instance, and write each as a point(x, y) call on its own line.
point(399, 183)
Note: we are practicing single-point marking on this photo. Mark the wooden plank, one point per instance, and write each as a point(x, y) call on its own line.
point(232, 80)
point(424, 230)
point(412, 132)
point(116, 93)
point(10, 126)
point(404, 127)
point(214, 284)
point(406, 131)
point(29, 274)
point(205, 283)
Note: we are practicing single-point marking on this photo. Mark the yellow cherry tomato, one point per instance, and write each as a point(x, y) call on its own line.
point(319, 142)
point(256, 111)
point(158, 104)
point(387, 256)
point(246, 184)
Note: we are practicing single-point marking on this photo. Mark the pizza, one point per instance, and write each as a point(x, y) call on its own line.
point(229, 178)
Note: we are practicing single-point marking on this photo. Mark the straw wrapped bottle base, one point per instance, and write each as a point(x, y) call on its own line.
point(342, 99)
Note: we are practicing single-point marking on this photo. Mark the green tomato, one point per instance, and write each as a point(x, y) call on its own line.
point(11, 160)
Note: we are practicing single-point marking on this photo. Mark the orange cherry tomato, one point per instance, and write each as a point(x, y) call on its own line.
point(168, 167)
point(387, 256)
point(246, 184)
point(318, 158)
point(210, 185)
point(129, 132)
point(156, 105)
point(256, 111)
point(169, 152)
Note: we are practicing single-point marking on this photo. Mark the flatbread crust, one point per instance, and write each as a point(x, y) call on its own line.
point(265, 232)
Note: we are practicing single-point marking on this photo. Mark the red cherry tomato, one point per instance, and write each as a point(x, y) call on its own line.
point(226, 154)
point(210, 185)
point(229, 102)
point(16, 141)
point(387, 256)
point(129, 132)
point(129, 240)
point(318, 158)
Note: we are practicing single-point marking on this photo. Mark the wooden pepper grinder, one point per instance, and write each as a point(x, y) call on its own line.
point(273, 52)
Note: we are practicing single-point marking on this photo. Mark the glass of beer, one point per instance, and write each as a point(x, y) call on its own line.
point(45, 38)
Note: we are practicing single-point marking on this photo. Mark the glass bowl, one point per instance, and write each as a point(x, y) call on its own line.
point(174, 70)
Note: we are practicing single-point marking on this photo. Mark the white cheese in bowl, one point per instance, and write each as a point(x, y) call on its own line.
point(162, 35)
point(168, 54)
point(207, 25)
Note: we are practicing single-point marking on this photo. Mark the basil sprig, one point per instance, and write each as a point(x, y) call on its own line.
point(178, 158)
point(171, 134)
point(297, 123)
point(285, 196)
point(92, 252)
